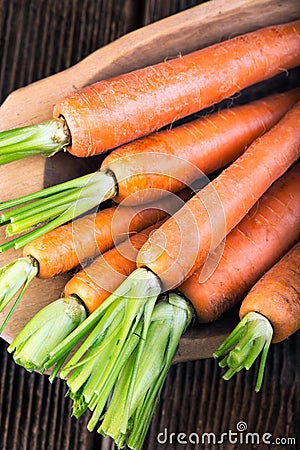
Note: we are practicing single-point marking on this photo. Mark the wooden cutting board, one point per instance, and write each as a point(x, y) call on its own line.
point(181, 33)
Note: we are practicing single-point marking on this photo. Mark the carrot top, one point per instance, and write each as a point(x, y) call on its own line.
point(252, 336)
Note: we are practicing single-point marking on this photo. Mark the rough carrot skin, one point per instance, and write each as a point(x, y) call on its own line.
point(277, 296)
point(204, 145)
point(112, 112)
point(264, 235)
point(183, 242)
point(96, 282)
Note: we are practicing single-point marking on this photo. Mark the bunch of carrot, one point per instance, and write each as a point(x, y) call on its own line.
point(209, 143)
point(186, 252)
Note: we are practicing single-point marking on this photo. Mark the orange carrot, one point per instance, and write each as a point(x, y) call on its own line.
point(170, 159)
point(269, 229)
point(112, 112)
point(119, 333)
point(183, 242)
point(144, 170)
point(277, 296)
point(72, 244)
point(97, 281)
point(269, 313)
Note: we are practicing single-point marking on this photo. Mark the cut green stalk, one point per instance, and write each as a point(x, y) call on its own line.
point(46, 138)
point(252, 336)
point(50, 325)
point(140, 382)
point(131, 308)
point(124, 304)
point(15, 277)
point(23, 224)
point(54, 206)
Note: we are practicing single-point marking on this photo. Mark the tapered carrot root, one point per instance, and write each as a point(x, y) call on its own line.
point(183, 242)
point(97, 281)
point(170, 159)
point(72, 244)
point(276, 296)
point(112, 112)
point(270, 228)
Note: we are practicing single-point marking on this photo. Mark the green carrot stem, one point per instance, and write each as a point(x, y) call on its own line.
point(46, 138)
point(61, 187)
point(140, 382)
point(141, 280)
point(263, 364)
point(26, 210)
point(252, 336)
point(64, 203)
point(5, 159)
point(15, 278)
point(24, 224)
point(50, 325)
point(109, 318)
point(111, 333)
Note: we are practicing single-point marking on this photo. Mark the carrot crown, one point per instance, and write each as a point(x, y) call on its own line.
point(129, 345)
point(46, 138)
point(250, 337)
point(140, 382)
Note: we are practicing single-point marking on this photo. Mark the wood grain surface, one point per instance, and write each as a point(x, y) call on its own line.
point(41, 38)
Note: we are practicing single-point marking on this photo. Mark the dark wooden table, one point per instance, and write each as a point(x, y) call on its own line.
point(39, 38)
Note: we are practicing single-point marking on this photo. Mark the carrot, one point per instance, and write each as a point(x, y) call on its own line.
point(184, 241)
point(276, 296)
point(260, 239)
point(144, 170)
point(269, 229)
point(269, 313)
point(112, 112)
point(97, 281)
point(257, 242)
